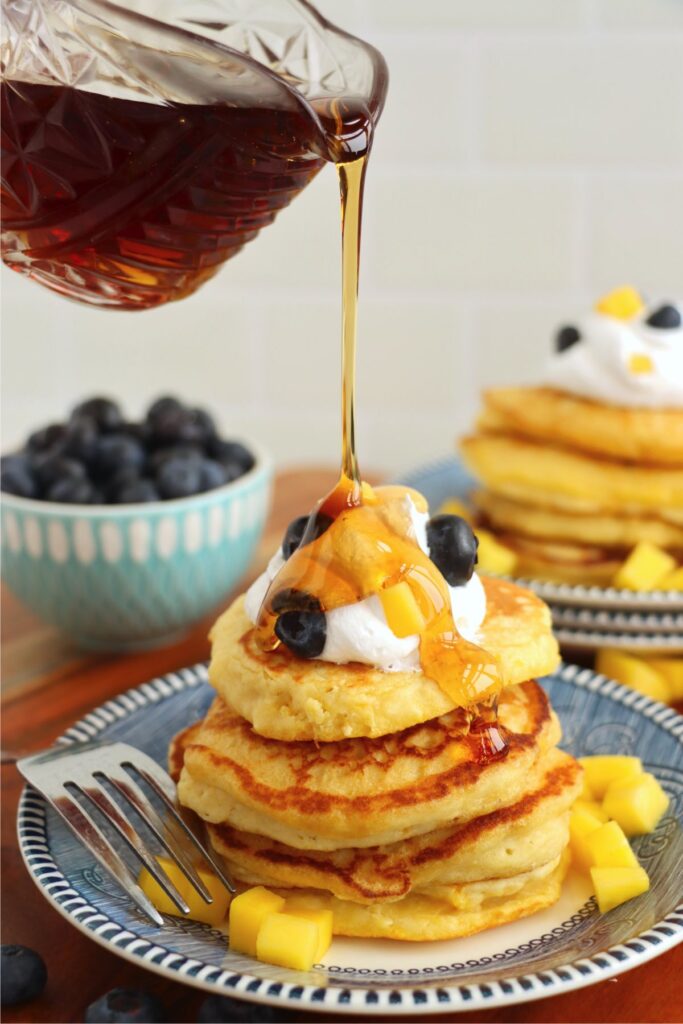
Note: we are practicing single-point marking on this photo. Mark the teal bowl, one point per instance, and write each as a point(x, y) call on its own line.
point(121, 577)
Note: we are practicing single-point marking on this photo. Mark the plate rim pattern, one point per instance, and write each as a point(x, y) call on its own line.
point(402, 999)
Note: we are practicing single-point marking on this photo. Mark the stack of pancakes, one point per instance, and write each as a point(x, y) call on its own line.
point(365, 792)
point(572, 485)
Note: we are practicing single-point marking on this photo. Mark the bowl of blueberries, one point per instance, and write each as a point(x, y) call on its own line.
point(123, 534)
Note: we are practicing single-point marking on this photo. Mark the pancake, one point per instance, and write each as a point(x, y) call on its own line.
point(536, 474)
point(428, 918)
point(502, 844)
point(540, 522)
point(289, 698)
point(651, 436)
point(363, 792)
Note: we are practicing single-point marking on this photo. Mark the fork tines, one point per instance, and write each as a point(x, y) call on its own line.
point(72, 779)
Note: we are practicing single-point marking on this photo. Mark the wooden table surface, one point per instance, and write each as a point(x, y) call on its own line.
point(47, 685)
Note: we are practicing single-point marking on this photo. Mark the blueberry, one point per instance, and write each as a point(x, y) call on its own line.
point(22, 975)
point(81, 438)
point(566, 337)
point(452, 548)
point(180, 426)
point(212, 474)
point(139, 431)
point(137, 491)
point(179, 477)
point(74, 492)
point(303, 632)
point(116, 452)
point(16, 477)
point(224, 1010)
point(49, 469)
point(105, 413)
point(294, 535)
point(47, 438)
point(231, 453)
point(292, 600)
point(161, 455)
point(667, 317)
point(312, 526)
point(163, 405)
point(126, 1006)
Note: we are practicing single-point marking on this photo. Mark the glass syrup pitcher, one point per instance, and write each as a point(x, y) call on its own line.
point(146, 141)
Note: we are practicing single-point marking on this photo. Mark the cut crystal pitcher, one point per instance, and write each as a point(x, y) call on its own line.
point(146, 141)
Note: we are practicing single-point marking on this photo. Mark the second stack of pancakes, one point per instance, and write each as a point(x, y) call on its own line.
point(368, 793)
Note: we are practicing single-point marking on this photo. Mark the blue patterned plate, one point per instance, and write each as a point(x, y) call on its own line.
point(567, 946)
point(447, 478)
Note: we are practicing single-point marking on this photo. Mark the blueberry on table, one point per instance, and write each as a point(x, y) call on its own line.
point(137, 491)
point(231, 453)
point(452, 548)
point(224, 1010)
point(23, 975)
point(50, 469)
point(179, 478)
point(303, 632)
point(126, 1006)
point(47, 438)
point(16, 477)
point(81, 438)
point(103, 411)
point(566, 337)
point(115, 452)
point(666, 318)
point(74, 492)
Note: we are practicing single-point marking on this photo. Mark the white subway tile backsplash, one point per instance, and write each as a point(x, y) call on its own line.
point(474, 15)
point(639, 15)
point(619, 102)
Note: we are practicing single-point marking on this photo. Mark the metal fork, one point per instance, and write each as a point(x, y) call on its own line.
point(81, 769)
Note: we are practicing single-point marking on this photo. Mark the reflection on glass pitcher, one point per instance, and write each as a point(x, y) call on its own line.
point(144, 150)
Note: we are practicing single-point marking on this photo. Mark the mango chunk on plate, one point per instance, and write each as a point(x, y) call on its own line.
point(156, 894)
point(582, 823)
point(401, 609)
point(208, 913)
point(288, 941)
point(603, 769)
point(632, 671)
point(248, 911)
point(492, 556)
point(591, 807)
point(622, 303)
point(674, 581)
point(324, 919)
point(614, 886)
point(636, 804)
point(671, 669)
point(609, 847)
point(645, 568)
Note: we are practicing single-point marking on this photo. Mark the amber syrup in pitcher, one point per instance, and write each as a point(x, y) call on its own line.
point(130, 204)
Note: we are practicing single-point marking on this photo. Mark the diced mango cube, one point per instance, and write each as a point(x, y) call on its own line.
point(492, 556)
point(324, 919)
point(603, 769)
point(401, 609)
point(582, 823)
point(591, 807)
point(156, 894)
point(672, 671)
point(632, 671)
point(454, 507)
point(613, 886)
point(623, 303)
point(248, 911)
point(367, 493)
point(609, 847)
point(288, 941)
point(645, 568)
point(640, 363)
point(674, 581)
point(209, 913)
point(637, 804)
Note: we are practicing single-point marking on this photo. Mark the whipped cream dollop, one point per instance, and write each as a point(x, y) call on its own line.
point(359, 632)
point(623, 362)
